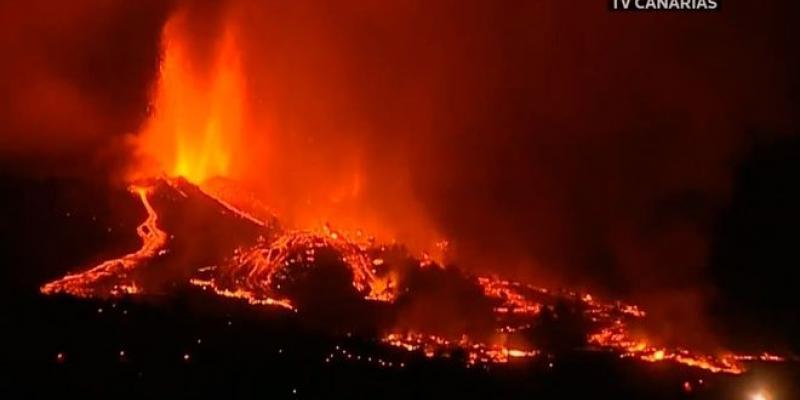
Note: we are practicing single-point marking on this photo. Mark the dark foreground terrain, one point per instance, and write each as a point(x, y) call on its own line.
point(190, 345)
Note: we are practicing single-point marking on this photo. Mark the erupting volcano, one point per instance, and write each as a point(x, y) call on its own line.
point(274, 268)
point(192, 121)
point(261, 195)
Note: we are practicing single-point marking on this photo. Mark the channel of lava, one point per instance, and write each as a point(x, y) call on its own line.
point(113, 277)
point(272, 269)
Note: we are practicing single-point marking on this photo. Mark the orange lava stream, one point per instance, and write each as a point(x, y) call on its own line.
point(251, 297)
point(218, 197)
point(476, 352)
point(253, 272)
point(254, 275)
point(613, 333)
point(112, 277)
point(198, 130)
point(617, 338)
point(513, 301)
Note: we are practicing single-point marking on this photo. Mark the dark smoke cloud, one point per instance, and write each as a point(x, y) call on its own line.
point(75, 78)
point(602, 144)
point(549, 140)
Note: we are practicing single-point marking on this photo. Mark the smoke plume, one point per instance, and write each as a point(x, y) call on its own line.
point(550, 140)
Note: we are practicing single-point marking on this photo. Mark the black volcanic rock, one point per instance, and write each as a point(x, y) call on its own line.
point(201, 230)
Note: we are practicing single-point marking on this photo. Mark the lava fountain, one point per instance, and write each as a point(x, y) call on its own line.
point(196, 130)
point(196, 125)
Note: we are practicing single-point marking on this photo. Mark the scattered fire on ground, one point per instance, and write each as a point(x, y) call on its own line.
point(195, 130)
point(254, 274)
point(475, 352)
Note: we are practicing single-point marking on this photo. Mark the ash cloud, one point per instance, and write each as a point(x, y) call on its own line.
point(75, 79)
point(551, 141)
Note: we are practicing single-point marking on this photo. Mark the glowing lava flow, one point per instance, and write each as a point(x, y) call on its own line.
point(612, 321)
point(197, 131)
point(113, 277)
point(255, 273)
point(617, 338)
point(475, 352)
point(251, 297)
